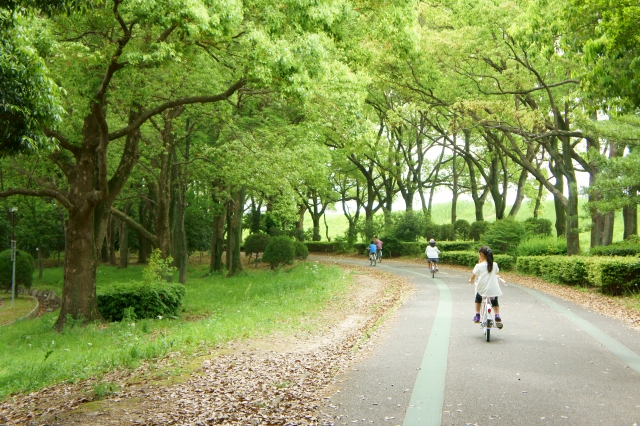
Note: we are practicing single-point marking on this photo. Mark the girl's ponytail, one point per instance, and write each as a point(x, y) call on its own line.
point(489, 255)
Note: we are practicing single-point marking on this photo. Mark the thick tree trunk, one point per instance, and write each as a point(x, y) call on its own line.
point(630, 220)
point(301, 211)
point(561, 216)
point(235, 234)
point(315, 218)
point(80, 265)
point(607, 229)
point(217, 241)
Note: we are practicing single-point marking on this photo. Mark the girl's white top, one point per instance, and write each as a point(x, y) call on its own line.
point(487, 284)
point(432, 252)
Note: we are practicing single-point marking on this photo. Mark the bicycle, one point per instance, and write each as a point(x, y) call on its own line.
point(372, 259)
point(433, 267)
point(486, 318)
point(379, 256)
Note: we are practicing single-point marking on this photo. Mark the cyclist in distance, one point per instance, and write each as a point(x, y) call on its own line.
point(432, 254)
point(378, 242)
point(487, 284)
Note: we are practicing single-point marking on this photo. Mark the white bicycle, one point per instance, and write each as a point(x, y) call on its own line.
point(486, 318)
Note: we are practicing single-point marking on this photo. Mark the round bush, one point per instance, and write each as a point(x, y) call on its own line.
point(504, 236)
point(302, 251)
point(279, 251)
point(256, 243)
point(409, 225)
point(447, 232)
point(391, 246)
point(477, 229)
point(538, 226)
point(24, 269)
point(462, 228)
point(431, 230)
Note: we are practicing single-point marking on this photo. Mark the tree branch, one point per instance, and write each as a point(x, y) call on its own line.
point(141, 230)
point(178, 102)
point(49, 193)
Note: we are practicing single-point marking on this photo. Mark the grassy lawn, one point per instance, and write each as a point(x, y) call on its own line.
point(216, 311)
point(21, 307)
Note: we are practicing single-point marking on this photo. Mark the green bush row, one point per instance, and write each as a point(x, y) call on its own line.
point(145, 300)
point(400, 248)
point(327, 246)
point(623, 248)
point(614, 276)
point(470, 258)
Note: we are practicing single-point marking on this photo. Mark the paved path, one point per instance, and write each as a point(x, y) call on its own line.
point(553, 363)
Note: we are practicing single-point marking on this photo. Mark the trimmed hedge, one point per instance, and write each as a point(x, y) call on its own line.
point(624, 248)
point(327, 246)
point(146, 300)
point(470, 258)
point(454, 246)
point(614, 276)
point(24, 269)
point(477, 229)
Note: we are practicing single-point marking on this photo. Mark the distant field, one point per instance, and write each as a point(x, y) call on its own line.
point(441, 213)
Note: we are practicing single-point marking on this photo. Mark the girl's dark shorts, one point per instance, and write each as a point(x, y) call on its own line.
point(494, 300)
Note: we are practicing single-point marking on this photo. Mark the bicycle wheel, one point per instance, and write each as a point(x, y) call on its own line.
point(488, 334)
point(433, 272)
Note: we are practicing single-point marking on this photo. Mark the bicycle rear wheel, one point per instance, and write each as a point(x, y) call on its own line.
point(488, 334)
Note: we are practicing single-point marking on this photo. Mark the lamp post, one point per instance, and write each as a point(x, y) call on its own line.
point(13, 211)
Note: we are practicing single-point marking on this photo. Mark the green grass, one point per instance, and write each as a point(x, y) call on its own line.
point(217, 310)
point(21, 307)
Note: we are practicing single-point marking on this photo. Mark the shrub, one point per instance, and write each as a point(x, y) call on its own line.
point(256, 243)
point(326, 246)
point(158, 270)
point(408, 225)
point(539, 245)
point(410, 249)
point(616, 275)
point(279, 251)
point(477, 229)
point(361, 247)
point(454, 246)
point(298, 234)
point(391, 246)
point(447, 232)
point(570, 270)
point(146, 300)
point(462, 229)
point(24, 269)
point(504, 236)
point(301, 250)
point(538, 226)
point(431, 230)
point(622, 248)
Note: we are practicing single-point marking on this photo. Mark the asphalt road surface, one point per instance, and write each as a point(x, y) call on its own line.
point(553, 363)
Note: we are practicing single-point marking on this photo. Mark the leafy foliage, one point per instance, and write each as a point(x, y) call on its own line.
point(140, 300)
point(301, 250)
point(256, 243)
point(538, 226)
point(540, 246)
point(477, 229)
point(24, 269)
point(504, 236)
point(409, 225)
point(462, 228)
point(327, 246)
point(622, 248)
point(280, 251)
point(158, 269)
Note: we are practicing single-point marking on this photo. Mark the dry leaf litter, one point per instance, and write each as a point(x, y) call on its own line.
point(254, 387)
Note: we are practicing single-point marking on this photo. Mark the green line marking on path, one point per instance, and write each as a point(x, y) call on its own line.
point(627, 356)
point(427, 397)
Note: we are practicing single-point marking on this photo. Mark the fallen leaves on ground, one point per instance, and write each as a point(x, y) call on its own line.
point(257, 387)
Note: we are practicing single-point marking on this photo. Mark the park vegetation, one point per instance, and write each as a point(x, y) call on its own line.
point(133, 126)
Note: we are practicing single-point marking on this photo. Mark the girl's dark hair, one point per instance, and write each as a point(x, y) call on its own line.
point(489, 255)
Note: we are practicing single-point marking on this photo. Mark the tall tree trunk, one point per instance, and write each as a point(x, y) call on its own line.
point(123, 231)
point(630, 220)
point(561, 217)
point(607, 229)
point(301, 211)
point(217, 240)
point(538, 203)
point(572, 231)
point(235, 233)
point(111, 239)
point(144, 246)
point(519, 194)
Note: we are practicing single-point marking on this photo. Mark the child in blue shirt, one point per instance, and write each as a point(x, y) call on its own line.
point(373, 248)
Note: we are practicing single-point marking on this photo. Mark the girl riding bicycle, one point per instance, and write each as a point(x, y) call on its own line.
point(432, 253)
point(487, 284)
